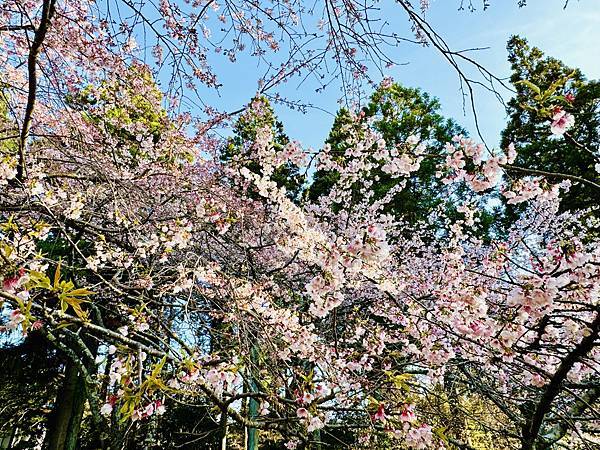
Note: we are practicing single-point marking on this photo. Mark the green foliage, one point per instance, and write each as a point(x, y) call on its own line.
point(134, 397)
point(131, 111)
point(457, 415)
point(342, 129)
point(8, 147)
point(541, 84)
point(68, 295)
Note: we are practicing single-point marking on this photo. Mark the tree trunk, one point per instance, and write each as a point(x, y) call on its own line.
point(63, 430)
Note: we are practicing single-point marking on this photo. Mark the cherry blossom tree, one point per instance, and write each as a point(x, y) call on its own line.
point(166, 276)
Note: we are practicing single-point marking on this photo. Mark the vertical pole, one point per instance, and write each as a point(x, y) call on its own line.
point(224, 429)
point(252, 443)
point(317, 438)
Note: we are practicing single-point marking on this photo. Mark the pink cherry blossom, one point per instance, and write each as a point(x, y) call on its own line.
point(380, 414)
point(106, 409)
point(562, 121)
point(302, 413)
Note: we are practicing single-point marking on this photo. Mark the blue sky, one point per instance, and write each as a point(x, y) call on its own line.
point(572, 35)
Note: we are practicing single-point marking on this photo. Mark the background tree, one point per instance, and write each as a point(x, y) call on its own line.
point(257, 122)
point(398, 114)
point(577, 151)
point(30, 374)
point(129, 110)
point(154, 245)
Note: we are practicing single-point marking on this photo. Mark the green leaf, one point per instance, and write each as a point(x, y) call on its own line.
point(38, 280)
point(530, 85)
point(57, 275)
point(81, 292)
point(441, 433)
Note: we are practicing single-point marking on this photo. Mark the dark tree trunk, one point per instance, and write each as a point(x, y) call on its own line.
point(63, 429)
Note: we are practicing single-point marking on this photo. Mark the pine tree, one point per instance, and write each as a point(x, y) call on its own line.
point(397, 112)
point(528, 127)
point(258, 116)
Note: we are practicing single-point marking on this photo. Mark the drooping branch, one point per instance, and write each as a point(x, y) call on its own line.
point(454, 58)
point(57, 318)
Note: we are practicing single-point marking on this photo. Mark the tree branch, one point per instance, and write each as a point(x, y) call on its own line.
point(48, 9)
point(509, 167)
point(532, 428)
